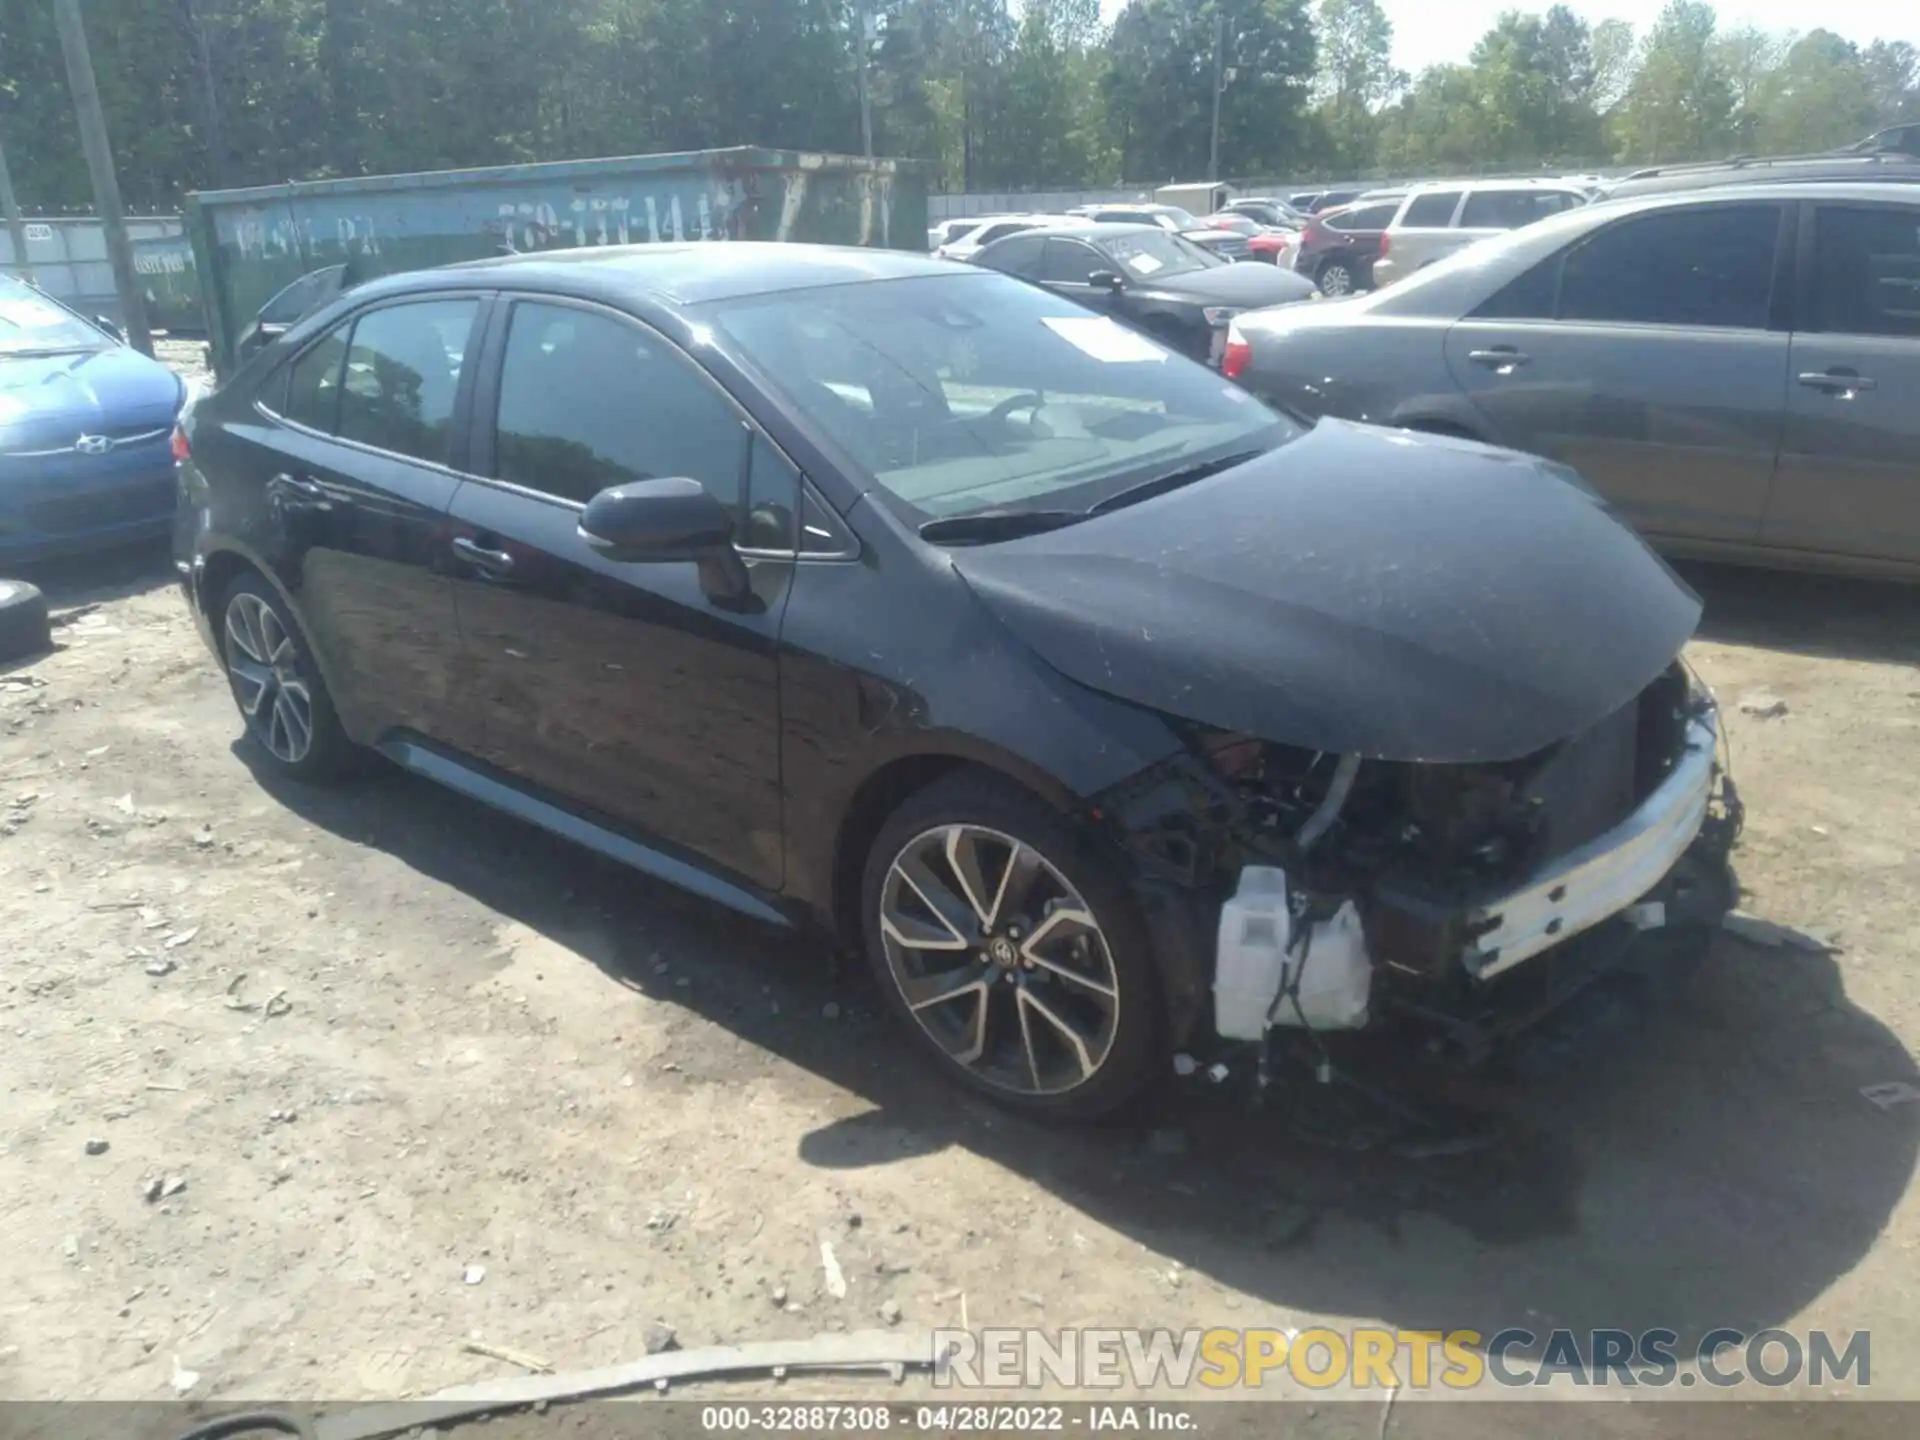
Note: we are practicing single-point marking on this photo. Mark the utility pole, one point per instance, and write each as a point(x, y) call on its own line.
point(1219, 85)
point(106, 186)
point(16, 226)
point(863, 18)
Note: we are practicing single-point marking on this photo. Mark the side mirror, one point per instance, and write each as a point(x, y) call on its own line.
point(656, 520)
point(1105, 280)
point(112, 329)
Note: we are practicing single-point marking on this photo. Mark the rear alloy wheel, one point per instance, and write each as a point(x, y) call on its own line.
point(1336, 279)
point(1012, 955)
point(275, 684)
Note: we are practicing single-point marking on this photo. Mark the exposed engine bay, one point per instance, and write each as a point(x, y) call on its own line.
point(1481, 890)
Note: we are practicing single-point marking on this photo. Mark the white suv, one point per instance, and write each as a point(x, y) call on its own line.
point(1436, 220)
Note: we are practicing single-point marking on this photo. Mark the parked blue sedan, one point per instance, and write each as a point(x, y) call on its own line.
point(86, 460)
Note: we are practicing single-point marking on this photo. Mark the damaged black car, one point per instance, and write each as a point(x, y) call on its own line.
point(1109, 712)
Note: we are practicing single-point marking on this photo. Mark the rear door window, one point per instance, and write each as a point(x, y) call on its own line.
point(1431, 212)
point(1866, 271)
point(1365, 217)
point(1710, 266)
point(403, 371)
point(1071, 262)
point(1511, 209)
point(313, 382)
point(1018, 256)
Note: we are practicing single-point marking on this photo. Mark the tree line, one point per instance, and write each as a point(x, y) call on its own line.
point(993, 94)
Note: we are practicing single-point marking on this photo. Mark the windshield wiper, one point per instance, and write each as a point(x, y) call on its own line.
point(991, 525)
point(1172, 480)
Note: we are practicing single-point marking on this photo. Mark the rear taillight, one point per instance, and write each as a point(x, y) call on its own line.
point(1385, 244)
point(181, 450)
point(1238, 354)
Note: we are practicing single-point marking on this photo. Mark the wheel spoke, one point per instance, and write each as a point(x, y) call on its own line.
point(1024, 865)
point(251, 681)
point(917, 934)
point(293, 713)
point(948, 908)
point(243, 630)
point(943, 986)
point(1026, 1042)
point(1075, 1040)
point(963, 855)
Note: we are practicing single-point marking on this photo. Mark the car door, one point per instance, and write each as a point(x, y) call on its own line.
point(1423, 231)
point(637, 691)
point(1651, 355)
point(1018, 255)
point(1067, 267)
point(358, 468)
point(1849, 477)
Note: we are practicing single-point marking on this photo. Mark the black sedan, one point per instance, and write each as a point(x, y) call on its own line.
point(867, 591)
point(1146, 278)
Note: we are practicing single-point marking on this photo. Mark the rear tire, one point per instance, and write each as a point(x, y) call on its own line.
point(277, 684)
point(1010, 951)
point(1337, 278)
point(24, 627)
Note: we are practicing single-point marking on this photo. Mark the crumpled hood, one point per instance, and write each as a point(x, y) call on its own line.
point(1357, 591)
point(58, 398)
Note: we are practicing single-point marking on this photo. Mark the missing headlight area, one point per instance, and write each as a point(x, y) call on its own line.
point(1471, 899)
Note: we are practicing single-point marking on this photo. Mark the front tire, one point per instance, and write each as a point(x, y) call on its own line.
point(277, 685)
point(1011, 951)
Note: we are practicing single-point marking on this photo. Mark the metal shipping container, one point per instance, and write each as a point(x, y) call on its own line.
point(251, 244)
point(67, 258)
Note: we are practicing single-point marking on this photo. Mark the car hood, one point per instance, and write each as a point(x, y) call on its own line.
point(1360, 591)
point(1248, 284)
point(61, 397)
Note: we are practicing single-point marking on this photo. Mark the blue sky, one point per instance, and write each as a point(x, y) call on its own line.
point(1431, 32)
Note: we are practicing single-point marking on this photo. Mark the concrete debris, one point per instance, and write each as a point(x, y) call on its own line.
point(172, 1185)
point(1762, 705)
point(1184, 1065)
point(96, 1146)
point(779, 1295)
point(183, 937)
point(507, 1353)
point(183, 1379)
point(1892, 1093)
point(1757, 931)
point(835, 1279)
point(159, 968)
point(473, 1274)
point(659, 1337)
point(890, 1311)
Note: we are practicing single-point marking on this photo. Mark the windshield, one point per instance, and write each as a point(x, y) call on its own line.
point(30, 323)
point(959, 394)
point(1157, 254)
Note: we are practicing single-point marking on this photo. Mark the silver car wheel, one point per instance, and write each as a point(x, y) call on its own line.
point(272, 691)
point(999, 959)
point(1336, 280)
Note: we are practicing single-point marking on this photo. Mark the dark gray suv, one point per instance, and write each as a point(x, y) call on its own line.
point(1736, 369)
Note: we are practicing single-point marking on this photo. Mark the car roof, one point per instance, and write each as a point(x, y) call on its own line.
point(1092, 230)
point(1881, 166)
point(684, 273)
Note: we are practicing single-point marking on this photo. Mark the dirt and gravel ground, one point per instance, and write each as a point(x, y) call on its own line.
point(409, 1073)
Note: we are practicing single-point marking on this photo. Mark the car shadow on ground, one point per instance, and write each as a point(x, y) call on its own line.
point(100, 578)
point(1823, 615)
point(1715, 1164)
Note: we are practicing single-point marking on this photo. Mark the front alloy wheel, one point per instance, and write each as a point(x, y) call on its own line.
point(1000, 960)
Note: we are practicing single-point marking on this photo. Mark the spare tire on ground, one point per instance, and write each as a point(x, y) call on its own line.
point(23, 621)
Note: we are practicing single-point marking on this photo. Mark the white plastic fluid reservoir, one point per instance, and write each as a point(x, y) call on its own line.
point(1335, 976)
point(1251, 953)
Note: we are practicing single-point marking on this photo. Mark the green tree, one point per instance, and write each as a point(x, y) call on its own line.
point(1748, 55)
point(1893, 75)
point(1680, 104)
point(1818, 98)
point(1356, 79)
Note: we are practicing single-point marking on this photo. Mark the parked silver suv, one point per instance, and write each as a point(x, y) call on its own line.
point(1436, 220)
point(1737, 369)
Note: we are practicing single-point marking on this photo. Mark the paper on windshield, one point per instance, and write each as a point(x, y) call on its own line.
point(1144, 264)
point(1105, 341)
point(30, 314)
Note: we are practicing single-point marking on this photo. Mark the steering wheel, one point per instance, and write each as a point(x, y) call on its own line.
point(1027, 400)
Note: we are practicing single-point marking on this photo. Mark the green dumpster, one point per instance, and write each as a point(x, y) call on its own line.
point(250, 244)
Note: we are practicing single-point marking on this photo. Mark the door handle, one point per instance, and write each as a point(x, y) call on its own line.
point(492, 562)
point(1502, 359)
point(1841, 382)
